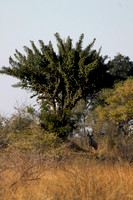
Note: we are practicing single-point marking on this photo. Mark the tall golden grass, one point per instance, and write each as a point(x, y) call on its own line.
point(77, 178)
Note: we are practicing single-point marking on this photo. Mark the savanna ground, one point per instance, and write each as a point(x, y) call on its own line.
point(35, 165)
point(67, 173)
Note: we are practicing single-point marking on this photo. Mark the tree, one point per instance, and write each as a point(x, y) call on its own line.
point(117, 104)
point(121, 66)
point(59, 79)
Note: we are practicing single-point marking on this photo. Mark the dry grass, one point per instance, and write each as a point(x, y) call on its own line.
point(78, 178)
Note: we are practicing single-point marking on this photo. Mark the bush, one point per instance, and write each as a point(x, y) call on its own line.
point(22, 132)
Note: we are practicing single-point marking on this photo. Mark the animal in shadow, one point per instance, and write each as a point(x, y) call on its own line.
point(92, 142)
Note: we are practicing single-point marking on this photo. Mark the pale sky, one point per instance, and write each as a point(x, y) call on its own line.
point(109, 21)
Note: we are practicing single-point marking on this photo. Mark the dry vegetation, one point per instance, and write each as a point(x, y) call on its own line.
point(35, 165)
point(77, 176)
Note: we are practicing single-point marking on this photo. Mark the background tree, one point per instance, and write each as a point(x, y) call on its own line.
point(59, 79)
point(121, 66)
point(117, 104)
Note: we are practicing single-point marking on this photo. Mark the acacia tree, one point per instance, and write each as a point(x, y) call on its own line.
point(59, 79)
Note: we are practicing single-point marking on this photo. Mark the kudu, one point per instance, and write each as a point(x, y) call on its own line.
point(92, 142)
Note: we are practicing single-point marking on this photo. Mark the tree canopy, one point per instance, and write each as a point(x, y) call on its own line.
point(121, 66)
point(118, 103)
point(60, 79)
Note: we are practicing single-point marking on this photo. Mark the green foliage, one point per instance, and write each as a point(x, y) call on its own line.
point(118, 102)
point(33, 139)
point(22, 132)
point(60, 79)
point(55, 123)
point(16, 125)
point(116, 106)
point(31, 111)
point(121, 66)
